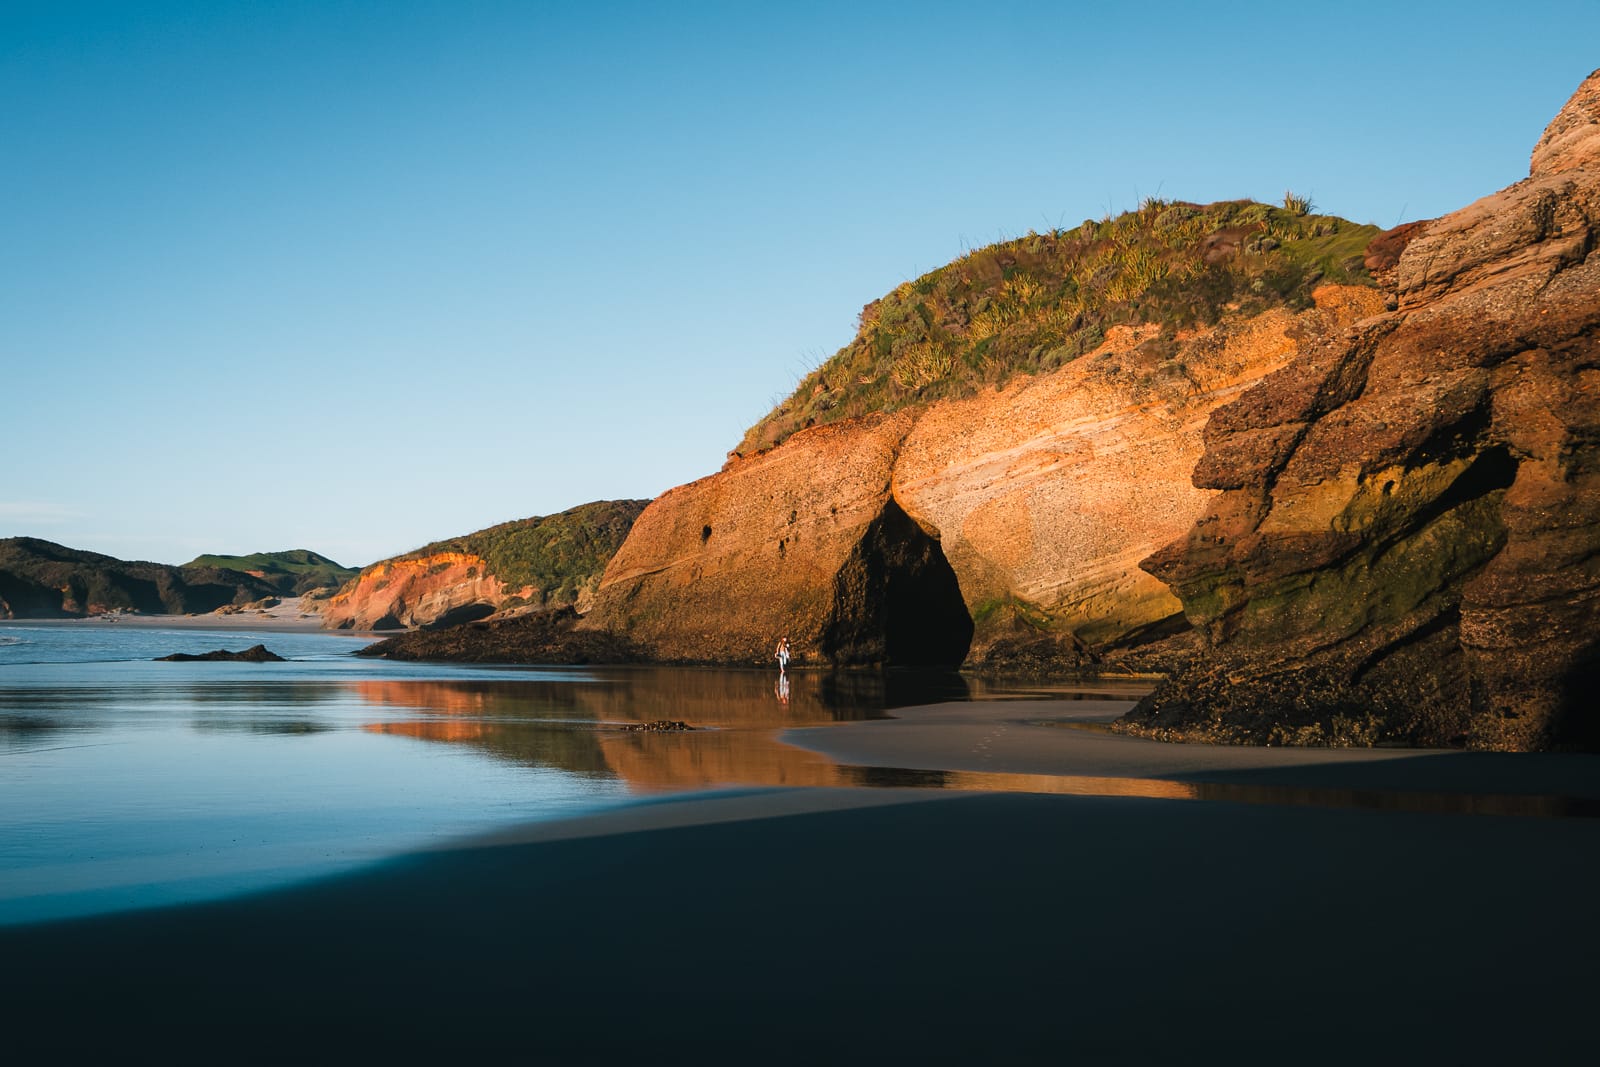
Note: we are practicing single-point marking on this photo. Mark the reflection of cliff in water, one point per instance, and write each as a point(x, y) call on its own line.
point(574, 722)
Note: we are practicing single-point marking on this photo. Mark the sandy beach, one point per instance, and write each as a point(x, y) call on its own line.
point(291, 613)
point(946, 923)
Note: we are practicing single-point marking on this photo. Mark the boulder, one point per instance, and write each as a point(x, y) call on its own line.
point(253, 654)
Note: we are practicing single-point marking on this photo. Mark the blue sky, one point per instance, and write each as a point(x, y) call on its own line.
point(353, 276)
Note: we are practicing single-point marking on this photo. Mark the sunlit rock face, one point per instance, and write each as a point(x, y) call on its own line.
point(803, 540)
point(882, 539)
point(1408, 531)
point(1046, 494)
point(439, 589)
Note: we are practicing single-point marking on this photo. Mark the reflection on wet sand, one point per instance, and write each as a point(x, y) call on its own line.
point(575, 725)
point(698, 697)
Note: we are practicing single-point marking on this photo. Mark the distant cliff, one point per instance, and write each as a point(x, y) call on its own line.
point(542, 562)
point(44, 580)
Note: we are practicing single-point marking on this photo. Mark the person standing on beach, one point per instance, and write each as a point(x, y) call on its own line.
point(782, 655)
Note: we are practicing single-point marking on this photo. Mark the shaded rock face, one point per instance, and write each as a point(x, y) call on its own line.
point(882, 539)
point(446, 588)
point(1409, 528)
point(537, 637)
point(896, 600)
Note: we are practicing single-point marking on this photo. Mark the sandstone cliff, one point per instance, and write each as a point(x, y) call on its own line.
point(1407, 541)
point(804, 539)
point(537, 563)
point(1026, 508)
point(441, 588)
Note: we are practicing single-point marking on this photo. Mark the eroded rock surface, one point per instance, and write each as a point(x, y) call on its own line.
point(253, 654)
point(439, 589)
point(1408, 538)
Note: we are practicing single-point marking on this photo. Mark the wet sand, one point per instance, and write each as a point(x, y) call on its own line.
point(897, 925)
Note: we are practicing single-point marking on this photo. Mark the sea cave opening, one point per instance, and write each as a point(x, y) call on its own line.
point(896, 600)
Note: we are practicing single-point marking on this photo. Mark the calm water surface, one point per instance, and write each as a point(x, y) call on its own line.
point(125, 782)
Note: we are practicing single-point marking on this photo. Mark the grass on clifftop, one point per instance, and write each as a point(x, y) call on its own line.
point(1029, 305)
point(556, 554)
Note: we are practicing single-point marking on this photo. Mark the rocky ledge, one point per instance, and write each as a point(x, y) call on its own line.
point(1406, 544)
point(538, 637)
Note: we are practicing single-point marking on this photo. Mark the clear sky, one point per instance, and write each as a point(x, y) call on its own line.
point(354, 276)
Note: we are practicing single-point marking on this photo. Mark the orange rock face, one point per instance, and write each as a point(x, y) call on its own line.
point(1050, 491)
point(1047, 493)
point(447, 586)
point(802, 540)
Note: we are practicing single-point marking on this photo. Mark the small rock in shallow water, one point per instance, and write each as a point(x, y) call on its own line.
point(253, 654)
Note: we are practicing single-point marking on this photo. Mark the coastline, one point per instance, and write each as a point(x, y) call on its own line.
point(288, 616)
point(857, 925)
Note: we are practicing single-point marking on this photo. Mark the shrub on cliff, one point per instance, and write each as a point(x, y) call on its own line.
point(1028, 305)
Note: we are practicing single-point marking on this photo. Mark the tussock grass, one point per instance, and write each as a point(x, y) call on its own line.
point(1028, 305)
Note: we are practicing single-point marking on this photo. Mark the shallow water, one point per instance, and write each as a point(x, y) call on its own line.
point(126, 782)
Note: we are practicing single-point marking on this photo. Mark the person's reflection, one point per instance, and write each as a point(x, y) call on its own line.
point(781, 688)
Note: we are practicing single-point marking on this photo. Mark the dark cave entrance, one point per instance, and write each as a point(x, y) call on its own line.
point(896, 601)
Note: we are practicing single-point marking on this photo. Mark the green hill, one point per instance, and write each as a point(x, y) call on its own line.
point(1030, 305)
point(44, 580)
point(291, 573)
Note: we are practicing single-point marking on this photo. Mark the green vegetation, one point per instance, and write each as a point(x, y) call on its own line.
point(43, 580)
point(1029, 305)
point(556, 554)
point(291, 573)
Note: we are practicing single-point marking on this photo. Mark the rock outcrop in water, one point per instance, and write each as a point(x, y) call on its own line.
point(1407, 538)
point(253, 654)
point(528, 565)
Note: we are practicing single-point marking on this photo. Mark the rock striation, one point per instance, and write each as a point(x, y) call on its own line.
point(1406, 542)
